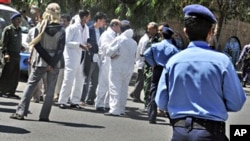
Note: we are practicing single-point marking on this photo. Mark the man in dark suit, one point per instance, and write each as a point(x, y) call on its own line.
point(91, 68)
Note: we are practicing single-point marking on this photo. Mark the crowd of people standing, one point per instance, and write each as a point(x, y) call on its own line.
point(92, 65)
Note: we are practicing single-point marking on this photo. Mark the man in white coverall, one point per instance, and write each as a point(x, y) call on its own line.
point(76, 43)
point(102, 96)
point(122, 52)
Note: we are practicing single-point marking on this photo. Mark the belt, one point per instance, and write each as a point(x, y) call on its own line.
point(198, 123)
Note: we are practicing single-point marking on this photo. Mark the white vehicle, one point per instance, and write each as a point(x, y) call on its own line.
point(5, 13)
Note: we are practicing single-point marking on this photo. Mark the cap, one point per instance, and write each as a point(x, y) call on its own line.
point(167, 30)
point(199, 11)
point(15, 15)
point(125, 24)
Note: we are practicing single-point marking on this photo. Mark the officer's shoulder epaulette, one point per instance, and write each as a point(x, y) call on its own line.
point(8, 27)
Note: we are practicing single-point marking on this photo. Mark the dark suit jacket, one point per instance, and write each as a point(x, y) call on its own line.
point(89, 55)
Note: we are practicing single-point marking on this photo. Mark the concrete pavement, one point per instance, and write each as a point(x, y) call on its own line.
point(87, 125)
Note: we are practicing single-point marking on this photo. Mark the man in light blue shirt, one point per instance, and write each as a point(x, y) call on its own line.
point(157, 56)
point(199, 86)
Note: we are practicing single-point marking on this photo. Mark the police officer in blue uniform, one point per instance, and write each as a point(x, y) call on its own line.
point(157, 56)
point(198, 85)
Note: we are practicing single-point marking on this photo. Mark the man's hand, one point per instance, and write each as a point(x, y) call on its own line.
point(7, 58)
point(23, 49)
point(86, 46)
point(49, 68)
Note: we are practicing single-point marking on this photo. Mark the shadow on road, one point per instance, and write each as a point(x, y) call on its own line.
point(77, 124)
point(7, 110)
point(138, 114)
point(8, 103)
point(13, 130)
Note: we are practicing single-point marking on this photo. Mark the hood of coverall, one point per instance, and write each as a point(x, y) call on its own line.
point(128, 33)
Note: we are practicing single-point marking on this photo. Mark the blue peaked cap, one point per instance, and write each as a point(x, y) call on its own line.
point(167, 30)
point(199, 11)
point(15, 15)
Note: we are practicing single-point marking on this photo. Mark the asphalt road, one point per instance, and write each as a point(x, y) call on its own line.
point(88, 125)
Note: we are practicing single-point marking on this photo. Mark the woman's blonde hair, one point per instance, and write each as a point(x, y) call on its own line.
point(52, 14)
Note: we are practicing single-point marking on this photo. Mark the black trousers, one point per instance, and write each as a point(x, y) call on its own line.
point(138, 85)
point(152, 107)
point(10, 75)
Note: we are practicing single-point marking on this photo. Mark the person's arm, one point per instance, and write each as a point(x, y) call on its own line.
point(104, 44)
point(6, 41)
point(149, 56)
point(71, 33)
point(113, 49)
point(234, 94)
point(242, 54)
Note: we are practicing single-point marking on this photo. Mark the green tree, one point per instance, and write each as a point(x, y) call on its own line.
point(140, 12)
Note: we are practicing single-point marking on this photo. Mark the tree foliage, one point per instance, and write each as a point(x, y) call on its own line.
point(140, 12)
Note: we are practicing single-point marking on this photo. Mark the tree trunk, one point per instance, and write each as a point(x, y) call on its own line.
point(218, 30)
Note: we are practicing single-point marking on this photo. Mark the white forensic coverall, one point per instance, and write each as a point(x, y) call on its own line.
point(73, 73)
point(102, 95)
point(122, 52)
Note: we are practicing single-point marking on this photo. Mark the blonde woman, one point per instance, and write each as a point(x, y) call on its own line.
point(49, 44)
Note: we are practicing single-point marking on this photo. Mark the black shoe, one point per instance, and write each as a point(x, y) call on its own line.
point(76, 106)
point(100, 109)
point(123, 114)
point(2, 93)
point(145, 110)
point(41, 98)
point(62, 106)
point(110, 114)
point(244, 83)
point(12, 96)
point(136, 100)
point(17, 116)
point(90, 102)
point(29, 112)
point(152, 122)
point(44, 119)
point(35, 101)
point(132, 95)
point(106, 109)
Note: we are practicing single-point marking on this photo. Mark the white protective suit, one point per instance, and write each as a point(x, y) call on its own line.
point(73, 73)
point(122, 52)
point(102, 96)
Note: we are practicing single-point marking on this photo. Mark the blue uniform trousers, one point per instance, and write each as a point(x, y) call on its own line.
point(152, 107)
point(195, 129)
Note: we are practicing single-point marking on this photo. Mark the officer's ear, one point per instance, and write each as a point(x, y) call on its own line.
point(185, 31)
point(210, 34)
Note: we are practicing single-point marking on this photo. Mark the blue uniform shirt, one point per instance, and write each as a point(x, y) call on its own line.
point(159, 53)
point(201, 83)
